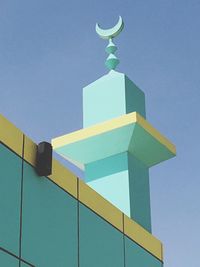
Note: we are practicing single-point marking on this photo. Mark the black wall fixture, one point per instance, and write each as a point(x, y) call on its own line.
point(44, 159)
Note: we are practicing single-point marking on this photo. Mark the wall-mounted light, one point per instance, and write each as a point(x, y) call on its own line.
point(44, 159)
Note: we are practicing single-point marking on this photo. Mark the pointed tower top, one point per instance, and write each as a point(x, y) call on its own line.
point(112, 61)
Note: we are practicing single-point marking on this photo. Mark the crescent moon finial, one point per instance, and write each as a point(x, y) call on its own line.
point(112, 32)
point(112, 61)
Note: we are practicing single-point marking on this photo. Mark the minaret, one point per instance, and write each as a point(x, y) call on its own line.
point(117, 146)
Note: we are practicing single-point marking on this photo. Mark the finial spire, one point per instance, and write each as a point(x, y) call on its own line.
point(112, 61)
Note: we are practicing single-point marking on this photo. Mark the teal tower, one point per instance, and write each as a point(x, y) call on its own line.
point(117, 145)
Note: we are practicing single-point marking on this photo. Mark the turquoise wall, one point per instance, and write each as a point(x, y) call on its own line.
point(135, 256)
point(10, 191)
point(42, 225)
point(109, 97)
point(130, 178)
point(139, 192)
point(8, 260)
point(49, 219)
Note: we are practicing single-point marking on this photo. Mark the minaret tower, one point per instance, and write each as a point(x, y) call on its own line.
point(117, 145)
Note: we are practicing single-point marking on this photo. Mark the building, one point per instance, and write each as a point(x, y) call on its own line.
point(59, 220)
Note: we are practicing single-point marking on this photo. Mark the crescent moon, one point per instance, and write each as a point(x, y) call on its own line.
point(112, 32)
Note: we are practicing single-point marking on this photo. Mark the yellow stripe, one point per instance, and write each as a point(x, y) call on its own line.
point(111, 125)
point(94, 130)
point(60, 175)
point(101, 206)
point(142, 237)
point(114, 216)
point(151, 130)
point(64, 178)
point(162, 257)
point(30, 150)
point(11, 136)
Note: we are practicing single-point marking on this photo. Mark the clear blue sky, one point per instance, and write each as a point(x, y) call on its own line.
point(49, 50)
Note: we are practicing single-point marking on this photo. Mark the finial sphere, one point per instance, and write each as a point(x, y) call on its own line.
point(112, 32)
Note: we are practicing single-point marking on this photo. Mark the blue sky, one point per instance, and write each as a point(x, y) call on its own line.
point(49, 51)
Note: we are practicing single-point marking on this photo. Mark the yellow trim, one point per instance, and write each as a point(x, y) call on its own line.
point(60, 175)
point(64, 178)
point(106, 126)
point(142, 237)
point(30, 150)
point(11, 136)
point(151, 130)
point(162, 252)
point(94, 130)
point(101, 206)
point(114, 216)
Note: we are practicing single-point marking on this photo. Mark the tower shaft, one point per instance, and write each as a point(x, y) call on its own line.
point(124, 181)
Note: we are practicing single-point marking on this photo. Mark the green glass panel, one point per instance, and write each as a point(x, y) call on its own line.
point(7, 260)
point(22, 264)
point(137, 256)
point(49, 233)
point(10, 185)
point(101, 245)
